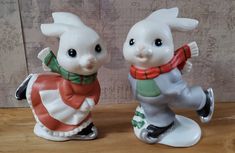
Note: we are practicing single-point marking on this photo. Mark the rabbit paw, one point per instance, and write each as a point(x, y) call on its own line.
point(187, 68)
point(45, 68)
point(87, 105)
point(194, 49)
point(43, 53)
point(90, 102)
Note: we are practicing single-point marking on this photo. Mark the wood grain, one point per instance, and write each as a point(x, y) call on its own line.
point(115, 133)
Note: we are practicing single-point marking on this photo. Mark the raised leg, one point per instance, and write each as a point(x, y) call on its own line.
point(20, 93)
point(196, 99)
point(206, 112)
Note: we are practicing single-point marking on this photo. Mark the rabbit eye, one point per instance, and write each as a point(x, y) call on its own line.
point(98, 48)
point(158, 42)
point(72, 52)
point(131, 42)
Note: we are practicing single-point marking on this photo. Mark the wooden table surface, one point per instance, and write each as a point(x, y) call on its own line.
point(115, 133)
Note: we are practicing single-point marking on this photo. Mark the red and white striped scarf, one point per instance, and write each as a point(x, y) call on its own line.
point(180, 57)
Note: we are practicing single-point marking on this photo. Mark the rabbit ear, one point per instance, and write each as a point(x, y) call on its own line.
point(62, 22)
point(169, 16)
point(164, 14)
point(53, 29)
point(183, 24)
point(67, 18)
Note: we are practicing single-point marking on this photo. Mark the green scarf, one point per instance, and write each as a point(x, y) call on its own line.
point(51, 61)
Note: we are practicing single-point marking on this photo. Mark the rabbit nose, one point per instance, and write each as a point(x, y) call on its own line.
point(143, 52)
point(91, 60)
point(87, 60)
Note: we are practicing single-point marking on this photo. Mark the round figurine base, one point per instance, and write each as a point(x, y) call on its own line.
point(40, 132)
point(184, 133)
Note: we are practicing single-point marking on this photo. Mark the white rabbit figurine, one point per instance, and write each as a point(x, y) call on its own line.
point(156, 81)
point(61, 101)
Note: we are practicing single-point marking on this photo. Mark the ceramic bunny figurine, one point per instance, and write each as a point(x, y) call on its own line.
point(156, 81)
point(62, 101)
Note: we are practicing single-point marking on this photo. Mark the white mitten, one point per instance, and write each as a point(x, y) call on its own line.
point(194, 52)
point(42, 55)
point(45, 68)
point(187, 67)
point(193, 48)
point(87, 105)
point(90, 102)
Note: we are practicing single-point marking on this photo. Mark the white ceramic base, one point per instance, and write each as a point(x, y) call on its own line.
point(184, 133)
point(39, 131)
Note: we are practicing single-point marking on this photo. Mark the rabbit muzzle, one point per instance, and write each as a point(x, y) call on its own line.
point(88, 62)
point(143, 54)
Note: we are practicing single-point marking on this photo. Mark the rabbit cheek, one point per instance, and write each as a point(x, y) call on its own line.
point(129, 55)
point(129, 52)
point(162, 57)
point(68, 63)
